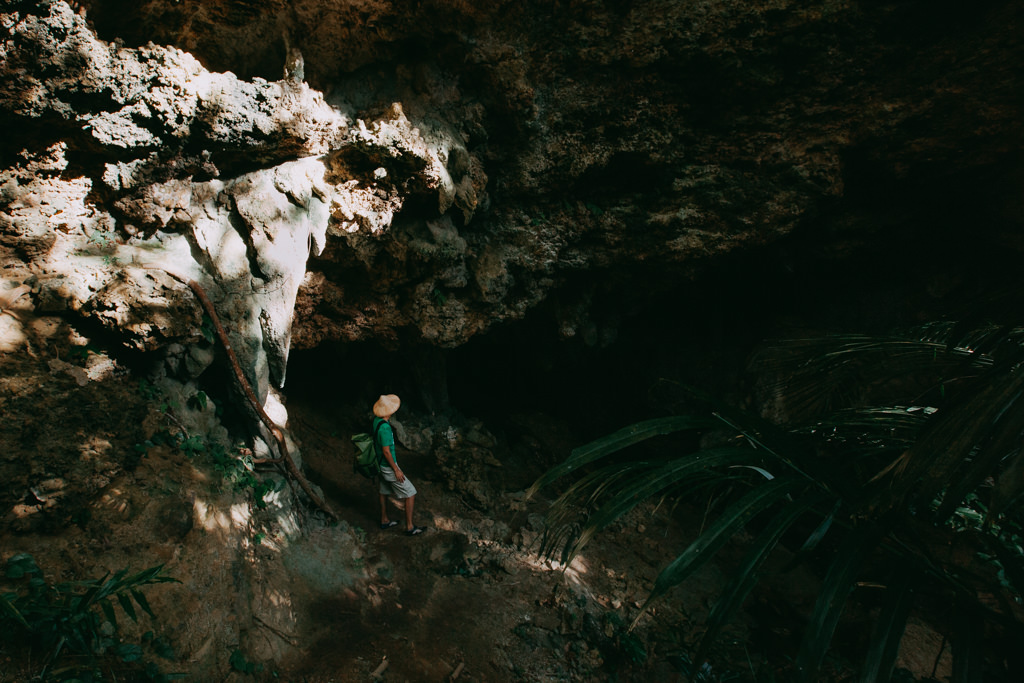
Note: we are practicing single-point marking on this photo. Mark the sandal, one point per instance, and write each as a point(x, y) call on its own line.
point(388, 525)
point(415, 531)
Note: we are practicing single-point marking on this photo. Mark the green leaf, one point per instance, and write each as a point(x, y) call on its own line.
point(94, 593)
point(734, 518)
point(838, 584)
point(111, 586)
point(127, 606)
point(151, 575)
point(625, 437)
point(819, 533)
point(143, 603)
point(888, 632)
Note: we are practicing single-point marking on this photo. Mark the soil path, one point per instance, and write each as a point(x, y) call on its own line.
point(470, 596)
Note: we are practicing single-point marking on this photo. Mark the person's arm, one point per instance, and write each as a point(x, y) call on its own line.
point(394, 465)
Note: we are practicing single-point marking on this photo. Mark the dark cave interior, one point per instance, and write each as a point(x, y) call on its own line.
point(701, 332)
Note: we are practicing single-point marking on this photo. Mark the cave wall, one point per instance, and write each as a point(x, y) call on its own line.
point(409, 173)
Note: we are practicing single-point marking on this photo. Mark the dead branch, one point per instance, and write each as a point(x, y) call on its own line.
point(177, 422)
point(250, 395)
point(291, 640)
point(379, 671)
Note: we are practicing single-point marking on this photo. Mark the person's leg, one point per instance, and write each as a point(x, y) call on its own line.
point(383, 509)
point(408, 512)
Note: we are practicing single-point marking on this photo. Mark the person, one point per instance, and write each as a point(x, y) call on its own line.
point(393, 482)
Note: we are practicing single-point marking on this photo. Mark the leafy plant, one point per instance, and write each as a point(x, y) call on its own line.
point(234, 468)
point(878, 429)
point(75, 624)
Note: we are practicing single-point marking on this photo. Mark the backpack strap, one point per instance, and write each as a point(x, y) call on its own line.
point(376, 433)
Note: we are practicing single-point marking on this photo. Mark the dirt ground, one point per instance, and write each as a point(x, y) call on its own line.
point(472, 596)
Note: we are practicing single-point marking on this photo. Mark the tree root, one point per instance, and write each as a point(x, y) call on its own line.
point(250, 395)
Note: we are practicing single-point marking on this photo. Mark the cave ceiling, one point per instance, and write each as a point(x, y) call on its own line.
point(421, 172)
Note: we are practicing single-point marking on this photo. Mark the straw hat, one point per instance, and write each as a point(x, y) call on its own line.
point(386, 405)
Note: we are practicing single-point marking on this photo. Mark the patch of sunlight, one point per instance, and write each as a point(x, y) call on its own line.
point(574, 571)
point(210, 517)
point(274, 409)
point(270, 543)
point(22, 511)
point(12, 334)
point(444, 523)
point(240, 515)
point(289, 525)
point(117, 500)
point(273, 498)
point(95, 447)
point(577, 568)
point(100, 368)
point(279, 599)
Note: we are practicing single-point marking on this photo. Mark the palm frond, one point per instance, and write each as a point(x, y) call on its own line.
point(895, 423)
point(822, 375)
point(938, 456)
point(720, 532)
point(783, 445)
point(815, 538)
point(746, 576)
point(613, 443)
point(867, 439)
point(561, 526)
point(654, 481)
point(985, 459)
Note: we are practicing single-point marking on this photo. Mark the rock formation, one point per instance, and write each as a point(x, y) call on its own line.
point(420, 172)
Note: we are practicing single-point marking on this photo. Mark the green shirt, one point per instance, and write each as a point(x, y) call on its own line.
point(385, 437)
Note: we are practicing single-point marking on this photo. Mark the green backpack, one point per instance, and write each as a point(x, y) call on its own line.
point(367, 461)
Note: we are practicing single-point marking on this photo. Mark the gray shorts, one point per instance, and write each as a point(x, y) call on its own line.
point(389, 485)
